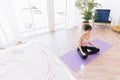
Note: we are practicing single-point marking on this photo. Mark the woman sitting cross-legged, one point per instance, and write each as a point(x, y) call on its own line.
point(86, 47)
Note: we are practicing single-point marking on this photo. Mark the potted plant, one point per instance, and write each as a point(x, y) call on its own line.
point(87, 8)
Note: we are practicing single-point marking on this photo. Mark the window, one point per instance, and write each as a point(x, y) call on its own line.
point(31, 15)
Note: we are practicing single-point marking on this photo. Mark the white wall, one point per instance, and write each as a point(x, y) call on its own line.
point(78, 19)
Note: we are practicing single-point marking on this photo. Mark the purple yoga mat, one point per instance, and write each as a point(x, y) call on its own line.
point(73, 60)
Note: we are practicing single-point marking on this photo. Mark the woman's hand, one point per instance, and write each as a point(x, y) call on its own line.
point(97, 47)
point(94, 45)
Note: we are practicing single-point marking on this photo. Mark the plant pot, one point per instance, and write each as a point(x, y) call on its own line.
point(84, 22)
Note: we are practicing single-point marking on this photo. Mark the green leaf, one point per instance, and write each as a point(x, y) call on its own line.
point(87, 8)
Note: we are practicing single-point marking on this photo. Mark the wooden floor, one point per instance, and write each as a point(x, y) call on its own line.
point(104, 67)
point(107, 65)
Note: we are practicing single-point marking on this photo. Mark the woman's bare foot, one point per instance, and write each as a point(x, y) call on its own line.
point(83, 54)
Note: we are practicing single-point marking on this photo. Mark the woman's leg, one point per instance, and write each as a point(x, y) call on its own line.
point(84, 50)
point(93, 50)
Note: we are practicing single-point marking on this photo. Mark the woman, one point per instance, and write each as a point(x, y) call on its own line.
point(86, 47)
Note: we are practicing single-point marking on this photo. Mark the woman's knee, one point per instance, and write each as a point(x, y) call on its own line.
point(94, 51)
point(78, 49)
point(97, 50)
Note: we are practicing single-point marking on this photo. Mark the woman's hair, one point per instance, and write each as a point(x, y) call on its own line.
point(87, 27)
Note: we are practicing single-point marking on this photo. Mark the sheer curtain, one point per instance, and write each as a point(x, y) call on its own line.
point(9, 32)
point(10, 25)
point(70, 18)
point(51, 15)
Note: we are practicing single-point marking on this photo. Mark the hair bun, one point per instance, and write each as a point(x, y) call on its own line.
point(87, 27)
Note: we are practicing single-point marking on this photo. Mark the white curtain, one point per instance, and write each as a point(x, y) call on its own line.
point(9, 32)
point(70, 18)
point(51, 15)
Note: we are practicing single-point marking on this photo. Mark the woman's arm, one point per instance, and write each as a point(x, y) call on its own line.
point(80, 44)
point(93, 45)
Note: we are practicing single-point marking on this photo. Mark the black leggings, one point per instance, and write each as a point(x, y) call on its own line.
point(88, 50)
